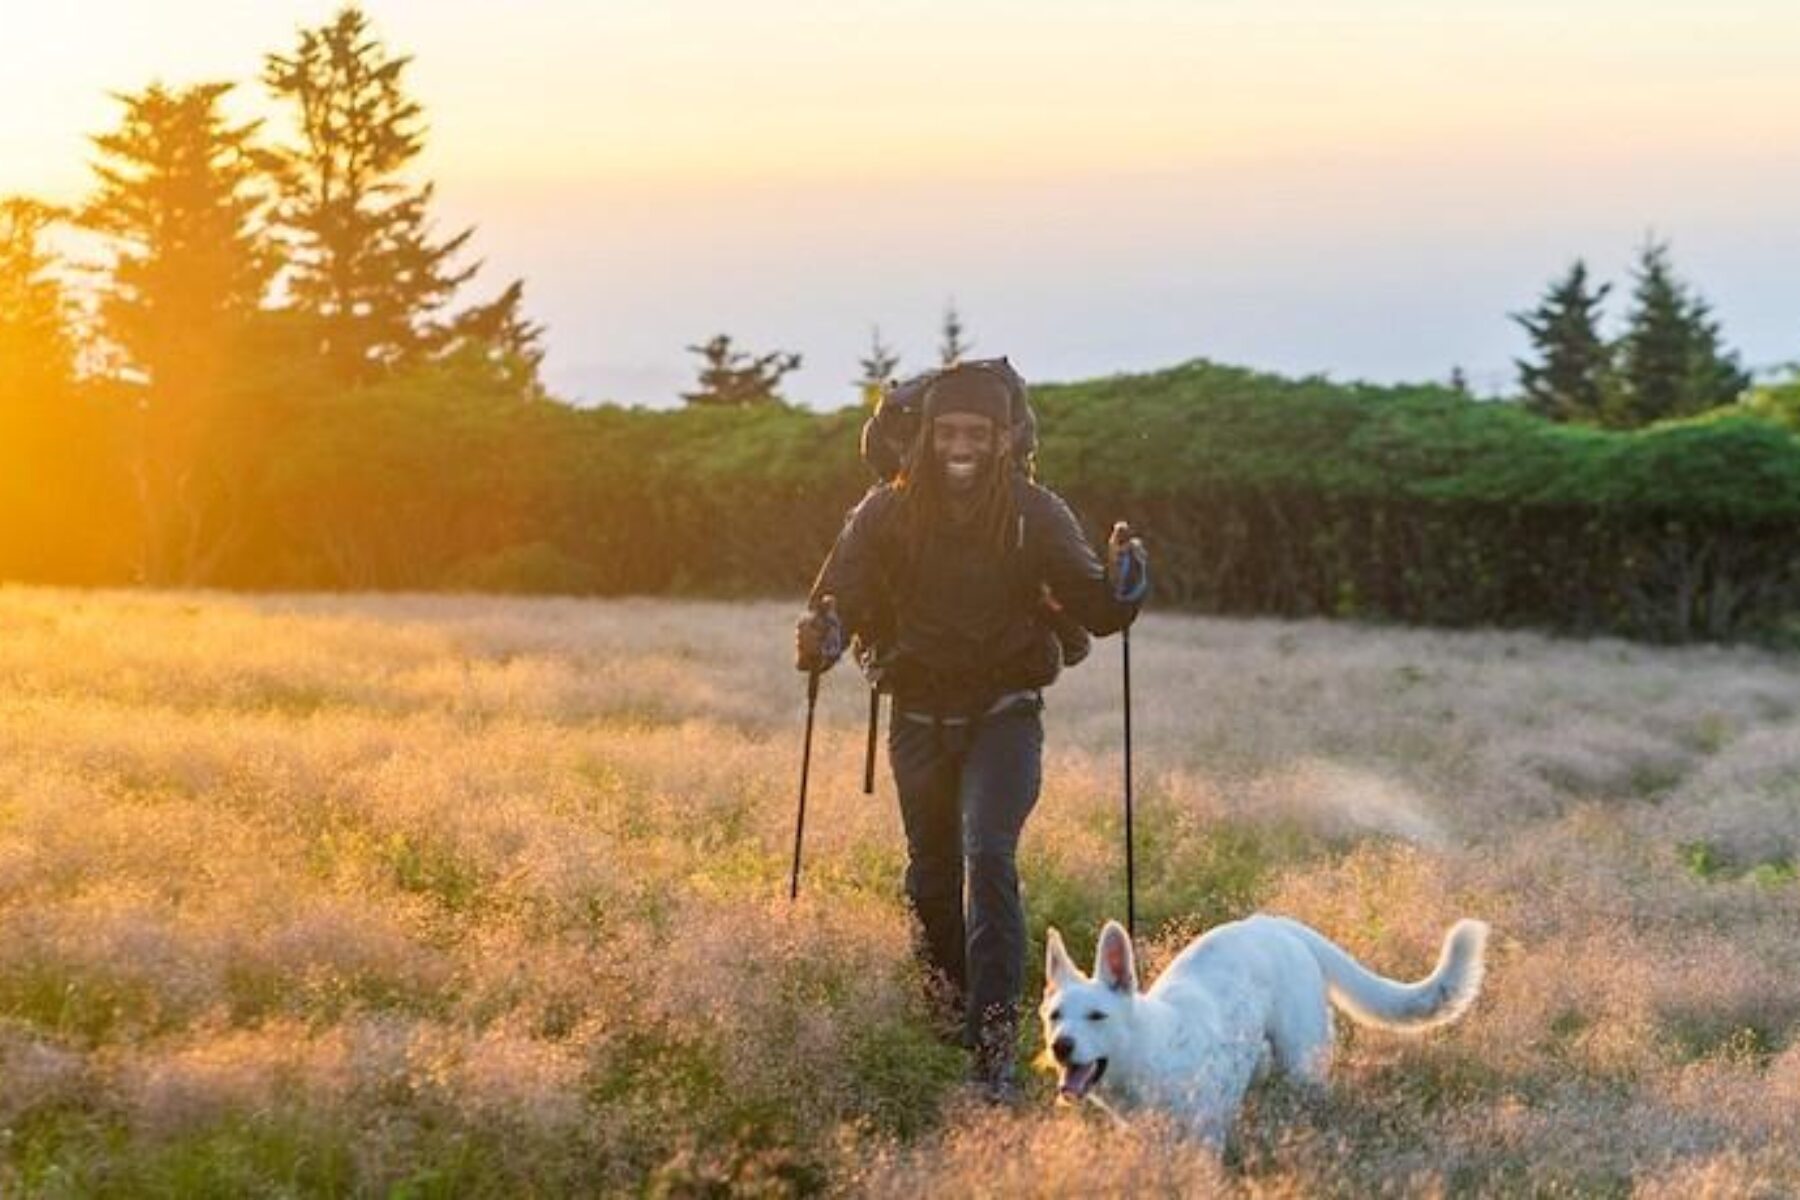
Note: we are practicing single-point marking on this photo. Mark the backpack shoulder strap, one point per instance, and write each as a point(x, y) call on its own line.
point(1025, 550)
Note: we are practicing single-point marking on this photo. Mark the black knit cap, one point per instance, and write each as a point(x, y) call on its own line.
point(970, 390)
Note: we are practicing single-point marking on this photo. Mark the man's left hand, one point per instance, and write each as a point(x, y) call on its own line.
point(1127, 565)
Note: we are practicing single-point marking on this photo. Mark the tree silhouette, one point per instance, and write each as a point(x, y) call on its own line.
point(180, 197)
point(878, 368)
point(1671, 361)
point(1571, 377)
point(363, 261)
point(64, 514)
point(37, 351)
point(500, 332)
point(952, 349)
point(732, 378)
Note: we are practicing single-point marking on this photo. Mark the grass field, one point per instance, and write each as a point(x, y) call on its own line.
point(457, 896)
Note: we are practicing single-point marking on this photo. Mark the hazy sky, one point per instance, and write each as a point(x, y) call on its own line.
point(1363, 187)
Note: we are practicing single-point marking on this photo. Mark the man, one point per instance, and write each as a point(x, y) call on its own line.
point(943, 575)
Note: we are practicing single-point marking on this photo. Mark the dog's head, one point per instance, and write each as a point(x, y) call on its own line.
point(1085, 1019)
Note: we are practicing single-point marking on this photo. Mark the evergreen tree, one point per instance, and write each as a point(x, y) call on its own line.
point(878, 368)
point(1715, 375)
point(1571, 377)
point(37, 354)
point(500, 331)
point(181, 198)
point(63, 513)
point(1671, 361)
point(734, 378)
point(1655, 353)
point(364, 263)
point(952, 349)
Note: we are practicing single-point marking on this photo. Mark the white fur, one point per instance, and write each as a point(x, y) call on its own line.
point(1247, 996)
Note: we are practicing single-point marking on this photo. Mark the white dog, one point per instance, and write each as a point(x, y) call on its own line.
point(1246, 996)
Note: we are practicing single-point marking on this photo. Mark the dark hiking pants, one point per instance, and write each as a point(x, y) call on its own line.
point(965, 791)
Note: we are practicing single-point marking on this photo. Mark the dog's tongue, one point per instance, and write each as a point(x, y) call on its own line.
point(1077, 1080)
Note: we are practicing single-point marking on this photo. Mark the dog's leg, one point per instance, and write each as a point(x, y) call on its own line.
point(1307, 1061)
point(1213, 1106)
point(1300, 1028)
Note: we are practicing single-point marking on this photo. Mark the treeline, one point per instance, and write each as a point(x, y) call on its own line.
point(1259, 495)
point(1264, 495)
point(1416, 504)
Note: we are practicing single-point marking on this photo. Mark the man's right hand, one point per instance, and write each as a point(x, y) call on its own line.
point(818, 638)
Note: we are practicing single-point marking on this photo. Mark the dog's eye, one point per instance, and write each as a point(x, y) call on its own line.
point(1056, 1014)
point(1096, 1016)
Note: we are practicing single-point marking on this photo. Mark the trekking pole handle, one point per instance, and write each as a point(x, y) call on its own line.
point(820, 636)
point(1130, 565)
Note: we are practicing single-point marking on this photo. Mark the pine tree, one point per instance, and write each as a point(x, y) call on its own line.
point(500, 332)
point(877, 368)
point(37, 353)
point(1655, 353)
point(181, 198)
point(1671, 360)
point(1715, 375)
point(732, 378)
point(364, 263)
point(63, 515)
point(952, 349)
point(1571, 377)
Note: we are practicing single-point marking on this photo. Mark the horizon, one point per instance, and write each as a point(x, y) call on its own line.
point(1282, 187)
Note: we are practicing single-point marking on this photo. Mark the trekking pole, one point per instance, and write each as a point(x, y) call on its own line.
point(1131, 583)
point(869, 751)
point(826, 654)
point(812, 704)
point(1130, 863)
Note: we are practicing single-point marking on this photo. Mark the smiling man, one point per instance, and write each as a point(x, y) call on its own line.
point(941, 575)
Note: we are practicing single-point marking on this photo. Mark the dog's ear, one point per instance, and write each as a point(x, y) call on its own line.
point(1059, 968)
point(1114, 963)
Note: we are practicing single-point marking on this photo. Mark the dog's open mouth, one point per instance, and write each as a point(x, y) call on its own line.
point(1078, 1079)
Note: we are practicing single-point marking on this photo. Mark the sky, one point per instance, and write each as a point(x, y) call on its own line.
point(1362, 188)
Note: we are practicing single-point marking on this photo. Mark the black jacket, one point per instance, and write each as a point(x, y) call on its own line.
point(963, 624)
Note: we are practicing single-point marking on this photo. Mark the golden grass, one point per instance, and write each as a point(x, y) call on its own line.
point(467, 896)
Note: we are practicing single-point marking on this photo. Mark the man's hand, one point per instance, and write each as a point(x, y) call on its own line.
point(1127, 565)
point(818, 638)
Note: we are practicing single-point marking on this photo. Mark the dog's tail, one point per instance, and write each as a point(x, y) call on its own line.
point(1372, 999)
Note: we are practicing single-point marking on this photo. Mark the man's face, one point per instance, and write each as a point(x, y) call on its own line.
point(962, 444)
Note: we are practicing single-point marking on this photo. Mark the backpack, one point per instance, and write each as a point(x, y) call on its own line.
point(888, 435)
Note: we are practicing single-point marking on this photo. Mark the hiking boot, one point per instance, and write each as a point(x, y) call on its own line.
point(950, 1027)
